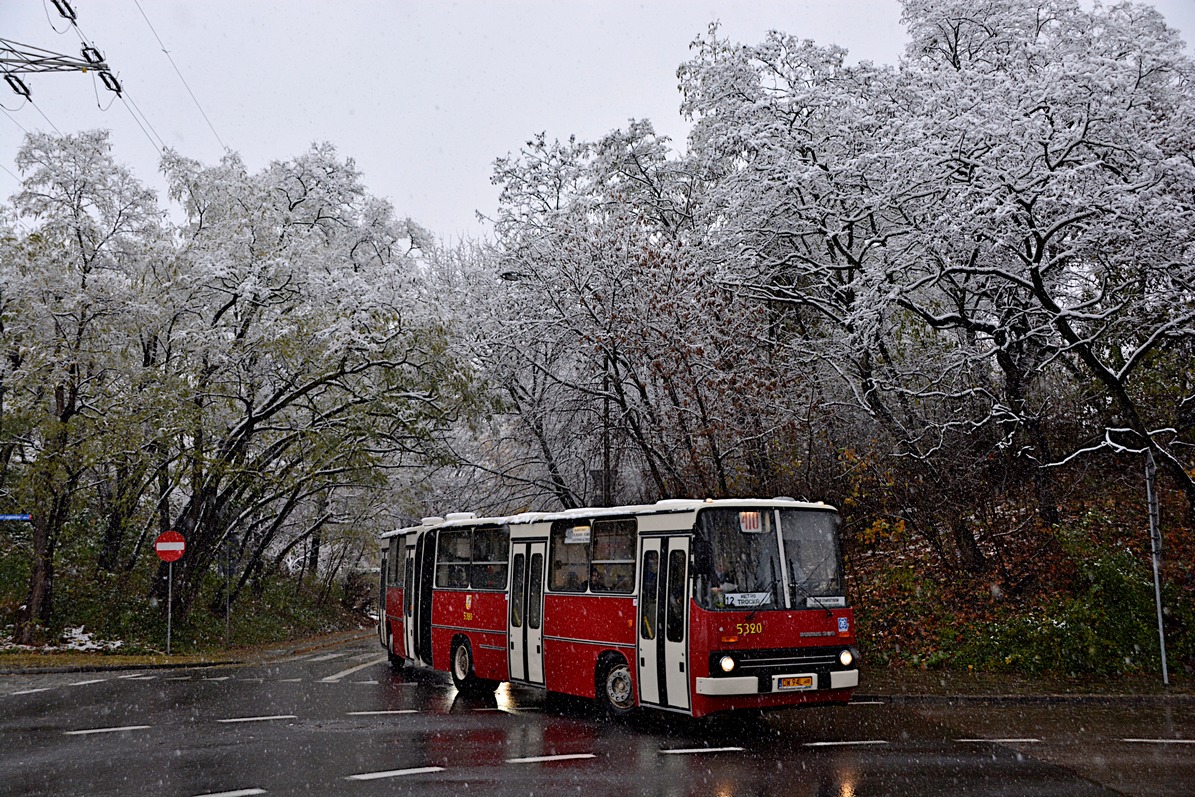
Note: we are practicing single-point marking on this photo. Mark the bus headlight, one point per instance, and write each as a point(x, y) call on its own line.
point(845, 657)
point(726, 663)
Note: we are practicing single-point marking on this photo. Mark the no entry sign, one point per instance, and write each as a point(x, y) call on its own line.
point(170, 546)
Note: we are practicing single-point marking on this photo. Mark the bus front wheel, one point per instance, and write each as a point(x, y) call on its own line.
point(615, 688)
point(463, 674)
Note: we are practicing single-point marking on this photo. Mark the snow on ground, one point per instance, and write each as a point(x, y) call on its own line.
point(72, 639)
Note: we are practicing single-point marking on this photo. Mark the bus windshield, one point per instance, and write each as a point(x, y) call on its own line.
point(737, 556)
point(811, 552)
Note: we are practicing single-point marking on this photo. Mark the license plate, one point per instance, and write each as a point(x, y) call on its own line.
point(786, 683)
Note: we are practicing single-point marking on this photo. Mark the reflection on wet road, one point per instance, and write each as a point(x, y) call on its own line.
point(341, 722)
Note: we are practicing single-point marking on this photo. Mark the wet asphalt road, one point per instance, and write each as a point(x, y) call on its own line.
point(338, 721)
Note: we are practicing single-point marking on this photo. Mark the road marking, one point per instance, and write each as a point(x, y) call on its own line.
point(106, 730)
point(178, 678)
point(379, 713)
point(260, 719)
point(290, 680)
point(1160, 741)
point(694, 750)
point(221, 678)
point(539, 759)
point(145, 677)
point(131, 675)
point(1000, 741)
point(327, 657)
point(394, 773)
point(85, 683)
point(866, 703)
point(845, 743)
point(331, 679)
point(31, 691)
point(237, 793)
point(375, 683)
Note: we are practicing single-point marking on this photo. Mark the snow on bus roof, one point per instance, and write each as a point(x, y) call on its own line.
point(666, 505)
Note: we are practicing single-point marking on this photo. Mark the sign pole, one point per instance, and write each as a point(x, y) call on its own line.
point(170, 547)
point(169, 603)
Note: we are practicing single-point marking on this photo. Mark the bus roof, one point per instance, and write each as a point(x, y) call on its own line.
point(665, 506)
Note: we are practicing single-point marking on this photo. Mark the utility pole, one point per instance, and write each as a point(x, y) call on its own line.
point(1155, 545)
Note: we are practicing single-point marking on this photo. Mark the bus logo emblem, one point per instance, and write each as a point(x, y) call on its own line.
point(844, 625)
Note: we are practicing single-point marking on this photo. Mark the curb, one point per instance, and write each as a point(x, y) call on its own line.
point(265, 656)
point(913, 700)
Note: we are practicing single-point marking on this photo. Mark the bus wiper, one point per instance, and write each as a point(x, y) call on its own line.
point(801, 589)
point(771, 590)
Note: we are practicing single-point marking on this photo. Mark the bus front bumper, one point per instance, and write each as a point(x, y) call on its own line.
point(755, 685)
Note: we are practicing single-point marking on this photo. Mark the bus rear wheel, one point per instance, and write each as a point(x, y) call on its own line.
point(615, 688)
point(463, 674)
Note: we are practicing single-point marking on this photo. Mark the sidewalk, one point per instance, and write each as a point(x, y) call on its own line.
point(937, 686)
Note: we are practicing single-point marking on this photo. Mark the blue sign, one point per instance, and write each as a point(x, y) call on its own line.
point(16, 517)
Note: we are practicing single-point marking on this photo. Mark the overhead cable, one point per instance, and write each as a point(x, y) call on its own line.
point(180, 75)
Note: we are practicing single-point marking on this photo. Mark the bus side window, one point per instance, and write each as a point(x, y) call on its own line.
point(491, 548)
point(452, 558)
point(395, 559)
point(613, 568)
point(570, 557)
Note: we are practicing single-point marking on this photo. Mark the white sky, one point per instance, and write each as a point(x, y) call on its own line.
point(424, 95)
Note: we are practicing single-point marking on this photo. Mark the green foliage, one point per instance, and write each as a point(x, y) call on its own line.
point(1107, 626)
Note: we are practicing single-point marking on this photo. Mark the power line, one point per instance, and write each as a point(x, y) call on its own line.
point(129, 105)
point(43, 116)
point(14, 121)
point(180, 75)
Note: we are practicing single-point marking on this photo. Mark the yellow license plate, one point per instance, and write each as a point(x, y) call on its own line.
point(796, 682)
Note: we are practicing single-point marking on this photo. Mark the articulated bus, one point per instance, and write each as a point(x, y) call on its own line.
point(691, 606)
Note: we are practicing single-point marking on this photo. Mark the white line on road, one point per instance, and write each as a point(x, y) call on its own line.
point(394, 773)
point(237, 793)
point(694, 750)
point(260, 719)
point(866, 703)
point(369, 655)
point(845, 743)
point(89, 731)
point(131, 675)
point(379, 713)
point(326, 657)
point(1160, 741)
point(1000, 741)
point(178, 678)
point(31, 691)
point(539, 759)
point(85, 683)
point(221, 678)
point(331, 679)
point(290, 680)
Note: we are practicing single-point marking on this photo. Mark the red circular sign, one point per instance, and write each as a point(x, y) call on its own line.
point(170, 546)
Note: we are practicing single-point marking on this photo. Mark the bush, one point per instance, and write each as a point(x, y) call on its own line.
point(1107, 626)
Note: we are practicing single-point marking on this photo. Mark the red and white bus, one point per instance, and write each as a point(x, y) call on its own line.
point(684, 605)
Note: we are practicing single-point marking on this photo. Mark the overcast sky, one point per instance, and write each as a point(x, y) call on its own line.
point(423, 95)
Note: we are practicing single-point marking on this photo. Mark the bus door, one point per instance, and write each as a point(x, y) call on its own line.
point(663, 621)
point(383, 620)
point(408, 602)
point(526, 612)
point(424, 572)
